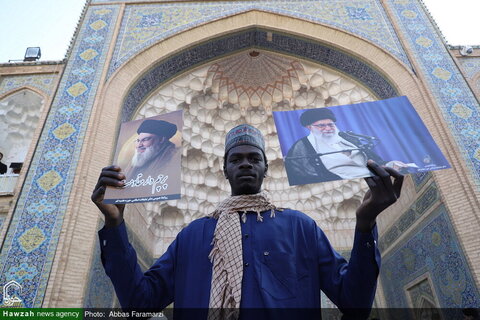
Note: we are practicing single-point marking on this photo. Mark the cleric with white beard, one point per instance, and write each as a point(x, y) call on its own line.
point(323, 155)
point(153, 148)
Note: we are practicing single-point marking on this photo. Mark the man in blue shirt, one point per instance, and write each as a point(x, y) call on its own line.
point(248, 258)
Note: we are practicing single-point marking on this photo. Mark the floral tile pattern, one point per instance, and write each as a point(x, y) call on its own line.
point(31, 241)
point(43, 82)
point(458, 104)
point(432, 248)
point(144, 25)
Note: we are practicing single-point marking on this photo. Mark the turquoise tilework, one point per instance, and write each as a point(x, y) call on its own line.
point(431, 247)
point(42, 82)
point(424, 202)
point(419, 290)
point(144, 25)
point(471, 66)
point(31, 241)
point(458, 104)
point(254, 37)
point(420, 179)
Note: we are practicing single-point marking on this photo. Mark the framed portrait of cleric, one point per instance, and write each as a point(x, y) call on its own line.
point(334, 143)
point(149, 152)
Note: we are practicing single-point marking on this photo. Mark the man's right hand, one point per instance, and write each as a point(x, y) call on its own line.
point(110, 176)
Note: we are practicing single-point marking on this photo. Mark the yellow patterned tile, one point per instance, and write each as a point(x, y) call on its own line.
point(476, 155)
point(97, 25)
point(31, 239)
point(424, 42)
point(454, 286)
point(472, 133)
point(64, 131)
point(101, 12)
point(462, 111)
point(49, 180)
point(408, 257)
point(436, 239)
point(441, 73)
point(409, 14)
point(88, 54)
point(77, 89)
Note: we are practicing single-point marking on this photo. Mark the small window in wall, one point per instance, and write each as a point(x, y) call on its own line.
point(19, 115)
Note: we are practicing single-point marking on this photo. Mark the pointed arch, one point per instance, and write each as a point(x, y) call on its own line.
point(30, 88)
point(378, 69)
point(135, 80)
point(19, 119)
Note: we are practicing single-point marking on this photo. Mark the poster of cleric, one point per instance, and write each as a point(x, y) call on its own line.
point(334, 143)
point(149, 154)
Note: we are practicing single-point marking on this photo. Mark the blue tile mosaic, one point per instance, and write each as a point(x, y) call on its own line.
point(420, 179)
point(420, 290)
point(42, 82)
point(31, 241)
point(471, 66)
point(144, 25)
point(425, 201)
point(30, 244)
point(283, 43)
point(432, 248)
point(459, 106)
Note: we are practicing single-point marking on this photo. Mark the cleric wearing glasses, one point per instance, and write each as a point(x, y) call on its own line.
point(324, 155)
point(153, 148)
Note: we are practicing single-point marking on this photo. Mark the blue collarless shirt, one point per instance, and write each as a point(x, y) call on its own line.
point(287, 260)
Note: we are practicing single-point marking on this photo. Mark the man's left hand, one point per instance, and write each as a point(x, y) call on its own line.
point(383, 193)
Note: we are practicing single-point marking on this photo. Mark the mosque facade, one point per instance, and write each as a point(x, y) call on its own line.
point(224, 63)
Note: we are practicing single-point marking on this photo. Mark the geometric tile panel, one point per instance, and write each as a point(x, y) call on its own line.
point(31, 239)
point(456, 100)
point(476, 154)
point(77, 89)
point(461, 111)
point(49, 180)
point(280, 42)
point(144, 25)
point(63, 131)
point(442, 74)
point(425, 201)
point(471, 66)
point(421, 290)
point(30, 243)
point(424, 42)
point(88, 54)
point(433, 248)
point(419, 179)
point(43, 82)
point(98, 25)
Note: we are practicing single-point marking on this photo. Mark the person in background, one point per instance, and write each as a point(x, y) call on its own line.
point(3, 167)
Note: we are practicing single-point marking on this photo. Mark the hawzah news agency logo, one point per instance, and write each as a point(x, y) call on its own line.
point(11, 291)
